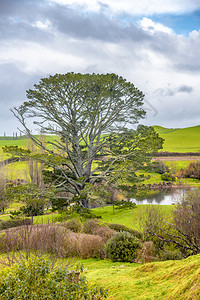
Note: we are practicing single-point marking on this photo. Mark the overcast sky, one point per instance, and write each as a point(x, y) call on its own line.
point(154, 44)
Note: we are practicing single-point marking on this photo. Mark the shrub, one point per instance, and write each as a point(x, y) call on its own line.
point(46, 238)
point(35, 279)
point(192, 170)
point(90, 225)
point(168, 177)
point(147, 252)
point(124, 204)
point(61, 217)
point(73, 225)
point(120, 227)
point(170, 255)
point(123, 246)
point(105, 232)
point(14, 223)
point(90, 246)
point(160, 167)
point(52, 239)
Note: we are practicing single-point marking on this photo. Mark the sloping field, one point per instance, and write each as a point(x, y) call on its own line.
point(169, 280)
point(181, 139)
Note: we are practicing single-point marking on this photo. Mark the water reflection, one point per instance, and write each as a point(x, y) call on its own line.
point(167, 197)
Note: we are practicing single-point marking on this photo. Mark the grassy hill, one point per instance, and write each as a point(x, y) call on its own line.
point(180, 139)
point(176, 139)
point(175, 280)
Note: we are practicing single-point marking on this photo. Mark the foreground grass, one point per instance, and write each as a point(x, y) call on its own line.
point(158, 280)
point(168, 280)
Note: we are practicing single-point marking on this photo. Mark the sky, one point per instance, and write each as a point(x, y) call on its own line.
point(153, 44)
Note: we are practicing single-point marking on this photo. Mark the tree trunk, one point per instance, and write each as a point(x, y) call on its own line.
point(85, 202)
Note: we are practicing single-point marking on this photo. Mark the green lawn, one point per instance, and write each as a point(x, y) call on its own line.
point(130, 217)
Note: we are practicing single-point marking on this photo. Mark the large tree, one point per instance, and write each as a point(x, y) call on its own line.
point(90, 115)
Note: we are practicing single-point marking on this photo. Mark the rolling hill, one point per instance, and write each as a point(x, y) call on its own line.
point(180, 139)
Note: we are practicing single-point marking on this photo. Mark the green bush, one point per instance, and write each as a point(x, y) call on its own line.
point(124, 204)
point(160, 167)
point(123, 246)
point(170, 255)
point(168, 177)
point(120, 227)
point(35, 279)
point(14, 223)
point(61, 218)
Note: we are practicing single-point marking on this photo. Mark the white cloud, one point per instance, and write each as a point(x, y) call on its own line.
point(34, 58)
point(137, 7)
point(150, 26)
point(163, 65)
point(45, 25)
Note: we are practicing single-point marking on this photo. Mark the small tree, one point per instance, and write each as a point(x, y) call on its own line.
point(183, 231)
point(33, 198)
point(192, 170)
point(89, 114)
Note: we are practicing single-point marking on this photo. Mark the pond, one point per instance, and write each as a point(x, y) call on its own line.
point(164, 197)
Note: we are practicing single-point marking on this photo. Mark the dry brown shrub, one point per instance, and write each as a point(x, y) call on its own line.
point(49, 238)
point(105, 232)
point(147, 253)
point(71, 244)
point(90, 246)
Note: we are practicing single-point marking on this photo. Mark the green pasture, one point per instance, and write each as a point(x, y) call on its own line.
point(176, 139)
point(20, 142)
point(130, 217)
point(180, 139)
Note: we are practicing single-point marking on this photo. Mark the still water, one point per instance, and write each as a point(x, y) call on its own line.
point(167, 197)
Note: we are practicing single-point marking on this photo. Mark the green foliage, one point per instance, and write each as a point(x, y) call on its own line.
point(124, 204)
point(123, 246)
point(74, 225)
point(90, 225)
point(170, 255)
point(160, 167)
point(34, 198)
point(34, 279)
point(168, 177)
point(121, 227)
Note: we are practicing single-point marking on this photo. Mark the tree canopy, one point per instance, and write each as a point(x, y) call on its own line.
point(90, 116)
